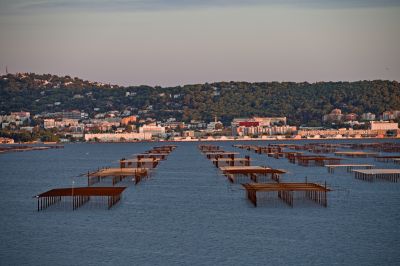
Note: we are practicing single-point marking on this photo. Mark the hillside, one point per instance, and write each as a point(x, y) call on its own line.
point(302, 103)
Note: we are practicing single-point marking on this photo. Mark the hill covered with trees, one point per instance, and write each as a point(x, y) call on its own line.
point(303, 103)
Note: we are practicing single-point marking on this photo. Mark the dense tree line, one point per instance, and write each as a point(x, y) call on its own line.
point(303, 103)
point(24, 136)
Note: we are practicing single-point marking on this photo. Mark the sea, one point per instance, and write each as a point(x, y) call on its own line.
point(187, 213)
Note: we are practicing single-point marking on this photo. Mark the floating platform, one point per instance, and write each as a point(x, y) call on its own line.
point(79, 195)
point(253, 172)
point(285, 191)
point(166, 148)
point(276, 155)
point(139, 163)
point(387, 158)
point(349, 167)
point(208, 148)
point(370, 175)
point(261, 149)
point(117, 175)
point(356, 154)
point(218, 162)
point(383, 147)
point(222, 154)
point(160, 156)
point(308, 160)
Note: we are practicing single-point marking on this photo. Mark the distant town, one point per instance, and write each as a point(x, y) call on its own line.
point(117, 126)
point(51, 108)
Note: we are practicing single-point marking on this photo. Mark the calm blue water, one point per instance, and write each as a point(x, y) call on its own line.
point(188, 213)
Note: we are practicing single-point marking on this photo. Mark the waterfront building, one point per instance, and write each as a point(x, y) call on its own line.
point(383, 125)
point(154, 130)
point(117, 137)
point(257, 126)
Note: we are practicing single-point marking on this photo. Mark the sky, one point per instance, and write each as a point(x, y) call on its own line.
point(177, 42)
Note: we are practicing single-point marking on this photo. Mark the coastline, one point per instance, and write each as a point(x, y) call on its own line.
point(47, 145)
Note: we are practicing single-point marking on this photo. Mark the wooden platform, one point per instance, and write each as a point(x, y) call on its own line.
point(349, 167)
point(160, 156)
point(117, 174)
point(139, 163)
point(276, 155)
point(222, 154)
point(207, 148)
point(285, 191)
point(80, 195)
point(165, 148)
point(253, 172)
point(272, 148)
point(231, 162)
point(370, 175)
point(250, 169)
point(382, 146)
point(307, 160)
point(386, 158)
point(356, 154)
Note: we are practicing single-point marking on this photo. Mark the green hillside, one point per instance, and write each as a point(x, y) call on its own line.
point(302, 103)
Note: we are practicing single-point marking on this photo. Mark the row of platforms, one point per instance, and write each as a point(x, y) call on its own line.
point(261, 179)
point(366, 172)
point(297, 151)
point(78, 196)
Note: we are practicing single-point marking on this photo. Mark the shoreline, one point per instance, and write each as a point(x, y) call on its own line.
point(59, 144)
point(239, 140)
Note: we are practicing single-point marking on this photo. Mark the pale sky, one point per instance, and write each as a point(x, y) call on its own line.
point(176, 42)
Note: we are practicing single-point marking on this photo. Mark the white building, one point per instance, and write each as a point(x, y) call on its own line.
point(154, 130)
point(214, 126)
point(116, 137)
point(49, 123)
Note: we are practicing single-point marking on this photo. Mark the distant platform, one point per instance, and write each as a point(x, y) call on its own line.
point(387, 158)
point(359, 154)
point(349, 167)
point(139, 163)
point(218, 162)
point(370, 175)
point(223, 154)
